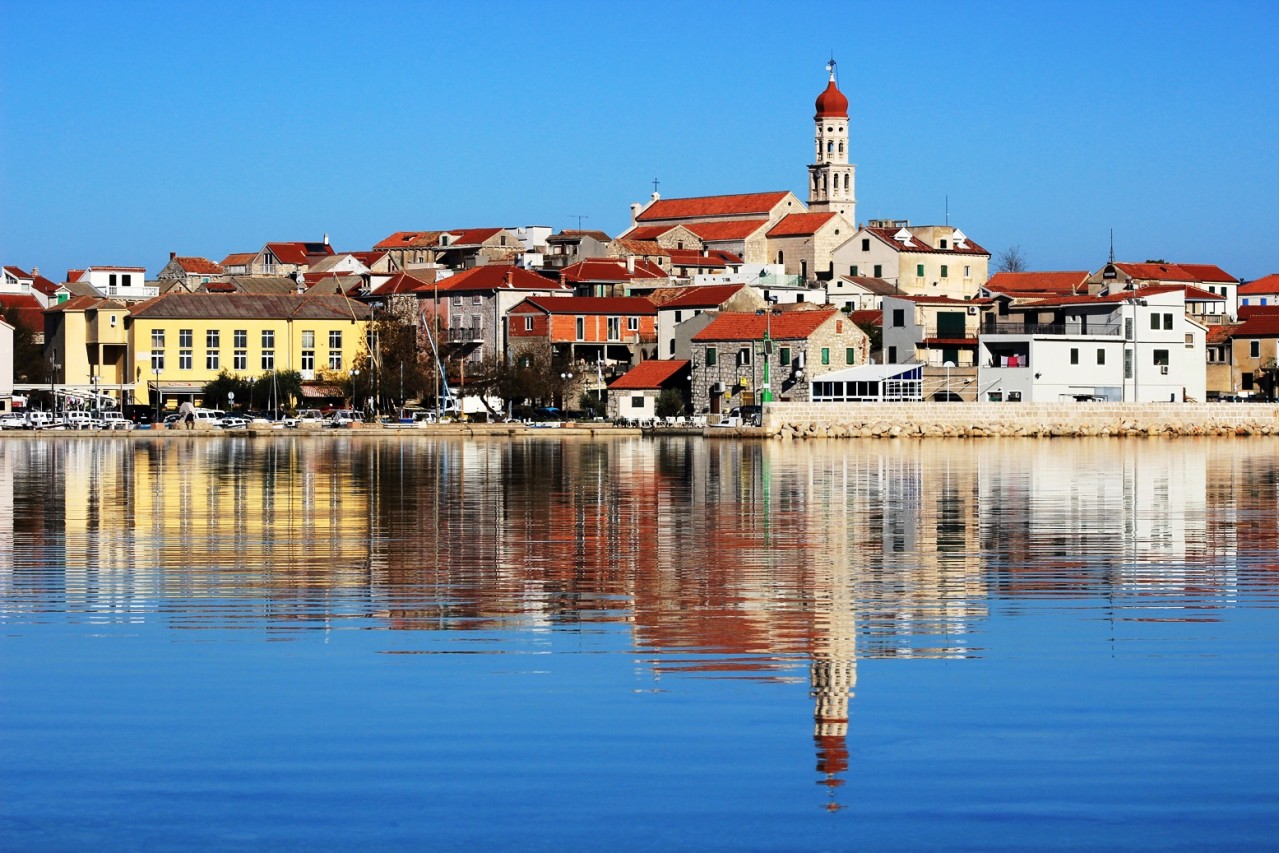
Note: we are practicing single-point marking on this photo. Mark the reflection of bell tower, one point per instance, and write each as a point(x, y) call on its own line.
point(831, 178)
point(833, 671)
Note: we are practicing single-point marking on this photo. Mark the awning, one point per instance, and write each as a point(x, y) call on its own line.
point(178, 387)
point(320, 392)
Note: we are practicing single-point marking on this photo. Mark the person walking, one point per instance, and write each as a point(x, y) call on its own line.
point(186, 415)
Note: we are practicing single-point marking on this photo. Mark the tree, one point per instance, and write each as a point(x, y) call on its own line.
point(670, 403)
point(1011, 260)
point(280, 389)
point(875, 332)
point(217, 391)
point(394, 367)
point(29, 364)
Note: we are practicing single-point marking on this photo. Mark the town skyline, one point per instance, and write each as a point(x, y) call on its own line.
point(1020, 127)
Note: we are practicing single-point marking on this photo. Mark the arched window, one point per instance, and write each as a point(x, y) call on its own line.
point(779, 256)
point(830, 147)
point(841, 148)
point(847, 183)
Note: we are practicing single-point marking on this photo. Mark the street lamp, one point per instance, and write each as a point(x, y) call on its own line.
point(766, 393)
point(355, 388)
point(565, 378)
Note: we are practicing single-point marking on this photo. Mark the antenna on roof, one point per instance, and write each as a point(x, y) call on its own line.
point(579, 217)
point(1112, 246)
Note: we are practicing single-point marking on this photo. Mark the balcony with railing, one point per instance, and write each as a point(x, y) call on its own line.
point(465, 334)
point(1042, 329)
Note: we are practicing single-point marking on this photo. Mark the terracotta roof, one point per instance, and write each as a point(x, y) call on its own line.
point(648, 375)
point(1155, 272)
point(298, 253)
point(800, 224)
point(405, 282)
point(16, 272)
point(410, 240)
point(1257, 326)
point(704, 296)
point(44, 285)
point(733, 229)
point(74, 275)
point(715, 258)
point(1068, 282)
point(1196, 294)
point(712, 205)
point(570, 235)
point(199, 266)
point(492, 277)
point(630, 305)
point(831, 103)
point(610, 269)
point(116, 269)
point(368, 258)
point(471, 236)
point(77, 303)
point(1247, 312)
point(1218, 334)
point(918, 244)
point(238, 259)
point(29, 311)
point(258, 306)
point(1209, 272)
point(1112, 299)
point(949, 342)
point(740, 326)
point(873, 285)
point(647, 232)
point(941, 300)
point(867, 318)
point(1268, 284)
point(646, 248)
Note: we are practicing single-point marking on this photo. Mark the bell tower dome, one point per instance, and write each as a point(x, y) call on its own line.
point(831, 178)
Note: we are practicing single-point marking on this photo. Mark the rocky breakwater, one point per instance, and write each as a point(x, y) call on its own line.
point(788, 421)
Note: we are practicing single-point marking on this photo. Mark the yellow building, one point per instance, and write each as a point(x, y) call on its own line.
point(178, 342)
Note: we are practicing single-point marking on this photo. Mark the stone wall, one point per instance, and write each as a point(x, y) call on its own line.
point(893, 420)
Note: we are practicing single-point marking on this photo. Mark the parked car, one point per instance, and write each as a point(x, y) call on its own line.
point(342, 417)
point(13, 420)
point(37, 419)
point(115, 420)
point(306, 416)
point(233, 422)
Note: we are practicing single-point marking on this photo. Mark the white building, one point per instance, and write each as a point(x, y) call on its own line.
point(6, 366)
point(128, 283)
point(1124, 347)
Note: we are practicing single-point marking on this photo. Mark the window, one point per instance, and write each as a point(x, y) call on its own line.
point(1128, 328)
point(212, 339)
point(241, 338)
point(632, 324)
point(637, 402)
point(1245, 381)
point(941, 244)
point(825, 355)
point(783, 356)
point(157, 360)
point(892, 355)
point(1254, 349)
point(240, 360)
point(919, 270)
point(679, 316)
point(712, 358)
point(670, 347)
point(186, 337)
point(1101, 356)
point(614, 328)
point(865, 244)
point(850, 355)
point(1167, 322)
point(528, 323)
point(968, 271)
point(111, 280)
point(581, 328)
point(457, 299)
point(899, 318)
point(744, 356)
point(879, 271)
point(944, 270)
point(157, 339)
point(1074, 355)
point(212, 360)
point(852, 270)
point(268, 350)
point(1161, 357)
point(126, 280)
point(1154, 321)
point(478, 299)
point(1127, 364)
point(335, 350)
point(308, 350)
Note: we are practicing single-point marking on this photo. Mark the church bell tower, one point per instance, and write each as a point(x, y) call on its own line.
point(832, 180)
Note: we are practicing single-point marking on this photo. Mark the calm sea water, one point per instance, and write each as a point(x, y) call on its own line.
point(332, 643)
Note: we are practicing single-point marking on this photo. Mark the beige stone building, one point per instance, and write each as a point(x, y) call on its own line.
point(921, 260)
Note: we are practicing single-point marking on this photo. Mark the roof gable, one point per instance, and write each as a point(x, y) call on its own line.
point(743, 204)
point(740, 326)
point(800, 224)
point(648, 375)
point(704, 296)
point(1268, 284)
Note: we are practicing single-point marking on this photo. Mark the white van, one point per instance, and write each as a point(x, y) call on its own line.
point(37, 419)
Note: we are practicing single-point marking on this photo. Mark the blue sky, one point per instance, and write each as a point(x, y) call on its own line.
point(129, 130)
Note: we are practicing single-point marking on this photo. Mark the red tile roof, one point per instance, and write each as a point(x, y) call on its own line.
point(471, 236)
point(648, 375)
point(1257, 326)
point(199, 266)
point(237, 259)
point(712, 205)
point(1156, 272)
point(1195, 294)
point(1247, 312)
point(705, 296)
point(800, 224)
point(733, 229)
point(1209, 272)
point(368, 258)
point(28, 309)
point(740, 326)
point(1218, 334)
point(918, 245)
point(17, 272)
point(298, 253)
point(867, 318)
point(74, 275)
point(44, 285)
point(410, 240)
point(1113, 299)
point(610, 269)
point(647, 232)
point(1068, 282)
point(497, 277)
point(629, 305)
point(715, 258)
point(1269, 284)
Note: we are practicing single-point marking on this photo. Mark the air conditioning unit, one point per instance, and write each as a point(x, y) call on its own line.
point(1163, 368)
point(972, 310)
point(717, 388)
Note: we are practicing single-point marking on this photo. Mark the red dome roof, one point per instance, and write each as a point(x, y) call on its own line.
point(832, 103)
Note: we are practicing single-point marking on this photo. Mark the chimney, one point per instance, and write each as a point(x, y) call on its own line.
point(326, 238)
point(35, 271)
point(630, 263)
point(635, 210)
point(172, 255)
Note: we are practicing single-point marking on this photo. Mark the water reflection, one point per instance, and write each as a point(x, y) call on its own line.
point(718, 558)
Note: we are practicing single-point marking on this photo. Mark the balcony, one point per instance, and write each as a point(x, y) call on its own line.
point(1015, 328)
point(465, 335)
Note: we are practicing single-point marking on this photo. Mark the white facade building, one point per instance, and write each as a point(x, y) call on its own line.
point(1122, 348)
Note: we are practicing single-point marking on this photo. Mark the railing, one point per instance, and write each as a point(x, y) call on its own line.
point(461, 335)
point(998, 328)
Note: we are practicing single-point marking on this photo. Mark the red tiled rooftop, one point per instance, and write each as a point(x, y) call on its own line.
point(472, 236)
point(648, 375)
point(1268, 284)
point(410, 240)
point(705, 296)
point(1209, 272)
point(741, 326)
point(647, 232)
point(497, 277)
point(735, 229)
point(919, 245)
point(1067, 282)
point(1153, 271)
point(199, 266)
point(712, 205)
point(238, 259)
point(711, 258)
point(298, 253)
point(610, 269)
point(800, 224)
point(867, 318)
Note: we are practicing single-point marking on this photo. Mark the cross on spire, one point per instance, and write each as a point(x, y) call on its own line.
point(655, 183)
point(830, 66)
